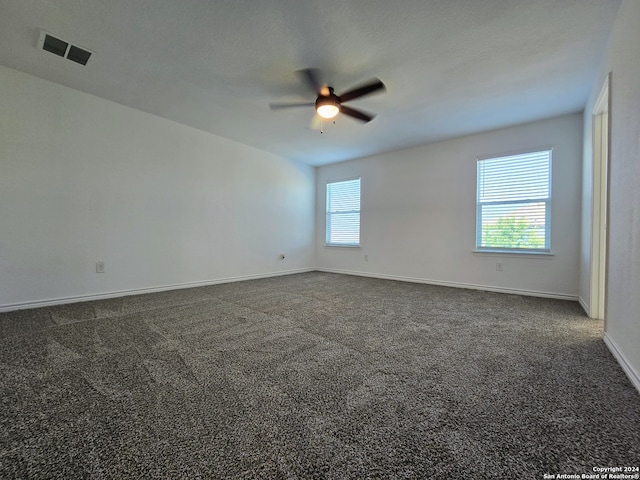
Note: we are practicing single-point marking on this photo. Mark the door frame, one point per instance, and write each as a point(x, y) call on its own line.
point(600, 202)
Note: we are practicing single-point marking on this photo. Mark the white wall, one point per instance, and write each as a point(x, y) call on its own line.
point(83, 179)
point(418, 213)
point(622, 312)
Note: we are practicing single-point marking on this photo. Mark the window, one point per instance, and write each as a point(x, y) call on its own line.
point(343, 213)
point(513, 203)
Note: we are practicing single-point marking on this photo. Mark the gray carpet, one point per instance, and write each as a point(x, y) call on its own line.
point(308, 376)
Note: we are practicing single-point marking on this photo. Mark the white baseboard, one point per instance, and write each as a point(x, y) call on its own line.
point(163, 288)
point(513, 291)
point(584, 306)
point(622, 360)
point(137, 291)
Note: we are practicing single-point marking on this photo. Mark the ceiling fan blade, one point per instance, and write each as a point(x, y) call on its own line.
point(366, 89)
point(357, 114)
point(278, 106)
point(311, 76)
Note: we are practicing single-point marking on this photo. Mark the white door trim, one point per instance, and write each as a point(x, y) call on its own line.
point(599, 205)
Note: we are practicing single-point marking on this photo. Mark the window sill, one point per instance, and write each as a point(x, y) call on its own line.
point(511, 253)
point(334, 245)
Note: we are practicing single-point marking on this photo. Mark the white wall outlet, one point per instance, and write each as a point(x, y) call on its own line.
point(366, 258)
point(282, 256)
point(99, 267)
point(499, 266)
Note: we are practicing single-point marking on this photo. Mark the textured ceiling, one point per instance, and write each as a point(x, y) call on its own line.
point(451, 67)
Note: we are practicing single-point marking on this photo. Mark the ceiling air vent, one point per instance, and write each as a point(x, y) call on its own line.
point(63, 48)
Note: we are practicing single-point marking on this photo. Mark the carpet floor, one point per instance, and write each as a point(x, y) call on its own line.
point(307, 376)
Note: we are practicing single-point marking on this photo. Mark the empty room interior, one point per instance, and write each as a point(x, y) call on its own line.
point(320, 239)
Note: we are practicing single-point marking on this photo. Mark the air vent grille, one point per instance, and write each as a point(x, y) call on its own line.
point(63, 48)
point(55, 45)
point(78, 55)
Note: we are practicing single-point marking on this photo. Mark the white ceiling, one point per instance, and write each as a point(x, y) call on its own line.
point(451, 67)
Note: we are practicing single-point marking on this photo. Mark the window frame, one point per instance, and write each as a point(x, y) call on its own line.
point(328, 214)
point(546, 250)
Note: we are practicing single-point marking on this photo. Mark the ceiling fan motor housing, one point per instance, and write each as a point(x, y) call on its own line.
point(328, 106)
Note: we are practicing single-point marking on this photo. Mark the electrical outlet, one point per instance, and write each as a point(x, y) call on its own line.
point(366, 258)
point(282, 256)
point(499, 266)
point(99, 267)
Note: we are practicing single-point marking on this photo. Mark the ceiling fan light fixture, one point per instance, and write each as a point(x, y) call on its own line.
point(327, 108)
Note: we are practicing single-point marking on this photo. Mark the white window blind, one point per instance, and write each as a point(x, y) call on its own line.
point(513, 202)
point(343, 213)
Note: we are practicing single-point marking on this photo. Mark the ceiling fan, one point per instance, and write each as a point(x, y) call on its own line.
point(328, 104)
